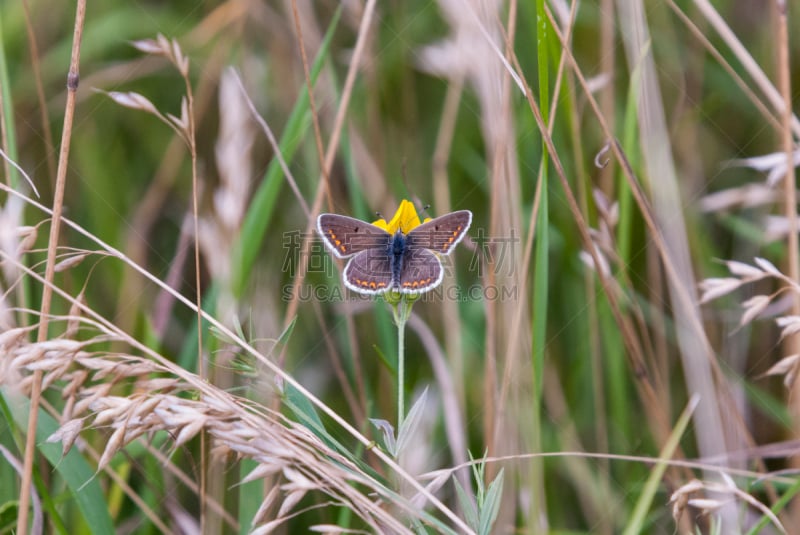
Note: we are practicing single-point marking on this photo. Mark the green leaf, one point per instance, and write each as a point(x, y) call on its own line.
point(72, 467)
point(304, 410)
point(410, 423)
point(636, 522)
point(467, 505)
point(491, 505)
point(387, 431)
point(265, 198)
point(8, 517)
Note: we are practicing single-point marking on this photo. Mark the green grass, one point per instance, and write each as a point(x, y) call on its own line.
point(556, 393)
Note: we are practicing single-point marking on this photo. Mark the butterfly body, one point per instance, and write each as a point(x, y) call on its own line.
point(380, 261)
point(396, 250)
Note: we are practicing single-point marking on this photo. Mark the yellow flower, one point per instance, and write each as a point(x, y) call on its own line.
point(405, 219)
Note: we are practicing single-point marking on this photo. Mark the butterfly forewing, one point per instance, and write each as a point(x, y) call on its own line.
point(369, 272)
point(422, 271)
point(345, 236)
point(443, 233)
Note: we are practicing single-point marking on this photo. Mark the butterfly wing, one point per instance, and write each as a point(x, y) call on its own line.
point(443, 233)
point(345, 236)
point(369, 272)
point(422, 271)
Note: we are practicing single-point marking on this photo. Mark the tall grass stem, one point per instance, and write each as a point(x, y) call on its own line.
point(55, 226)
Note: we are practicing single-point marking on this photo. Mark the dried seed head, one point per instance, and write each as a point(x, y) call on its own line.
point(706, 505)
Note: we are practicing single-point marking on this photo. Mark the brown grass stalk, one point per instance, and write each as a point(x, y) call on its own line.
point(666, 259)
point(722, 62)
point(327, 164)
point(608, 107)
point(761, 80)
point(665, 202)
point(190, 132)
point(608, 68)
point(518, 315)
point(441, 196)
point(47, 134)
point(357, 405)
point(326, 178)
point(553, 391)
point(58, 200)
point(274, 143)
point(7, 162)
point(635, 351)
point(791, 344)
point(150, 208)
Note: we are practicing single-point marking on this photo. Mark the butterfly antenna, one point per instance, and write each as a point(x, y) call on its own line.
point(378, 215)
point(425, 209)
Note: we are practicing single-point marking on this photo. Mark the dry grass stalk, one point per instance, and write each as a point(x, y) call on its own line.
point(330, 154)
point(717, 496)
point(701, 375)
point(182, 406)
point(55, 227)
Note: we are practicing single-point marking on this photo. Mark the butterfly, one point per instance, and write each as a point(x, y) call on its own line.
point(381, 261)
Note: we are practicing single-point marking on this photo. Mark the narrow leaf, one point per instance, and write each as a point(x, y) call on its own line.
point(491, 505)
point(467, 505)
point(409, 426)
point(387, 430)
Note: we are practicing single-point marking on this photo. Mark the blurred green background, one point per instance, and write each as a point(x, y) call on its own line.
point(434, 117)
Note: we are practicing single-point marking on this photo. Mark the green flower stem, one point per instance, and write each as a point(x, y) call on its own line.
point(401, 366)
point(401, 310)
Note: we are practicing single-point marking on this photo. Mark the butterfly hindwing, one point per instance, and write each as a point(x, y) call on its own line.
point(369, 272)
point(345, 236)
point(421, 271)
point(443, 233)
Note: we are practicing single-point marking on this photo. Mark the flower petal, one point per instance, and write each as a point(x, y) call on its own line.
point(405, 219)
